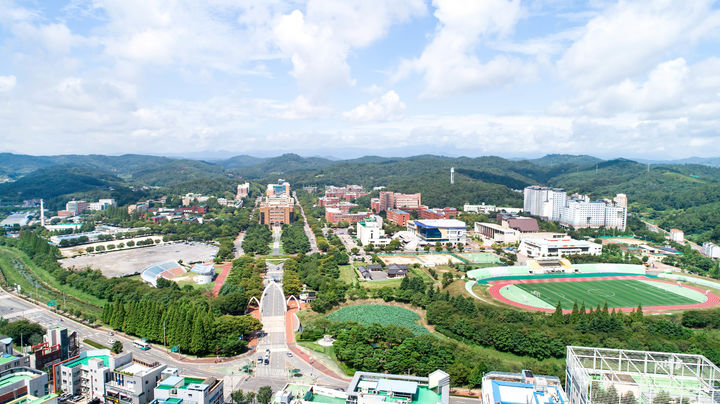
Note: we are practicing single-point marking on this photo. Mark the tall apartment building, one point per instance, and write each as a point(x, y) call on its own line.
point(577, 211)
point(710, 250)
point(282, 188)
point(242, 191)
point(277, 210)
point(396, 200)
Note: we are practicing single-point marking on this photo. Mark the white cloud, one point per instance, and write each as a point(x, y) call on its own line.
point(631, 36)
point(7, 83)
point(319, 41)
point(672, 88)
point(386, 108)
point(449, 63)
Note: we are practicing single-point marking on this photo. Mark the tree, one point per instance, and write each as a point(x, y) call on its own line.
point(99, 248)
point(264, 394)
point(250, 397)
point(117, 347)
point(237, 396)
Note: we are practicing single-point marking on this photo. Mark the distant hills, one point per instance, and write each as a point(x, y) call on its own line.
point(684, 193)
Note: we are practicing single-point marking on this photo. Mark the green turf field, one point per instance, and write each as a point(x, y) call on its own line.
point(617, 293)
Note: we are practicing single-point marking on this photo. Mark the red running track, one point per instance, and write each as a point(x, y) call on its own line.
point(495, 287)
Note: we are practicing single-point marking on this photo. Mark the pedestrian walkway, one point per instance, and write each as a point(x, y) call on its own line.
point(290, 326)
point(221, 278)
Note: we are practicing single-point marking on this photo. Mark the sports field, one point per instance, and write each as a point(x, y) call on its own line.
point(481, 258)
point(617, 293)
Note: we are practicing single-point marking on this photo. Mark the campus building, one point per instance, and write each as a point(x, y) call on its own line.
point(282, 188)
point(398, 217)
point(24, 385)
point(101, 204)
point(442, 230)
point(8, 359)
point(557, 246)
point(523, 387)
point(277, 210)
point(578, 210)
point(369, 231)
point(497, 233)
point(243, 190)
point(483, 208)
point(520, 223)
point(395, 200)
point(176, 389)
point(76, 207)
point(444, 213)
point(348, 192)
point(335, 215)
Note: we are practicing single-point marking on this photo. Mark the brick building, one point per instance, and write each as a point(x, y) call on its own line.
point(335, 215)
point(398, 217)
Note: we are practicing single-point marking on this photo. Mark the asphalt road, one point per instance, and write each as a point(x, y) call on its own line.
point(310, 235)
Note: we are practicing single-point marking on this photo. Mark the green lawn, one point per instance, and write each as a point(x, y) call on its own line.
point(380, 313)
point(348, 274)
point(617, 293)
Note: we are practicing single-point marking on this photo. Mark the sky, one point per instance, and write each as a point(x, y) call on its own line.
point(354, 77)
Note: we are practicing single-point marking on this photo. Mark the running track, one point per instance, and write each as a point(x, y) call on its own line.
point(495, 287)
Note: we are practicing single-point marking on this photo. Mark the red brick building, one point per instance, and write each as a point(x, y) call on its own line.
point(396, 200)
point(398, 217)
point(334, 215)
point(444, 213)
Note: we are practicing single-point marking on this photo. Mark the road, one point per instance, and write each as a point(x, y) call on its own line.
point(308, 232)
point(277, 232)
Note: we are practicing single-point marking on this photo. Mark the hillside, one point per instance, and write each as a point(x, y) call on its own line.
point(281, 165)
point(240, 162)
point(178, 171)
point(54, 181)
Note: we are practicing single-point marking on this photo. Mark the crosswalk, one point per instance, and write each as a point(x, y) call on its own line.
point(21, 313)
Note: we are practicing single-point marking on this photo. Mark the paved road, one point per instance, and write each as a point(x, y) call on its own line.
point(277, 232)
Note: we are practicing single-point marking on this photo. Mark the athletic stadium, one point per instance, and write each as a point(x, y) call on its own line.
point(542, 284)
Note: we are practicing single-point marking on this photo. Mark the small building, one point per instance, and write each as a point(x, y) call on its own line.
point(557, 247)
point(677, 235)
point(133, 383)
point(176, 389)
point(523, 387)
point(167, 270)
point(205, 273)
point(396, 270)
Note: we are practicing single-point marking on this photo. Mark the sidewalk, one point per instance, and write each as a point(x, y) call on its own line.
point(290, 336)
point(221, 278)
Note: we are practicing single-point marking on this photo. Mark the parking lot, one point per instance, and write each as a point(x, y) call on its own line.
point(128, 262)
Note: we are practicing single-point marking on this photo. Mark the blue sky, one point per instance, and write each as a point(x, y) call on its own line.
point(354, 77)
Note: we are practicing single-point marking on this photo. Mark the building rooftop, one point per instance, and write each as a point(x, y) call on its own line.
point(86, 360)
point(441, 223)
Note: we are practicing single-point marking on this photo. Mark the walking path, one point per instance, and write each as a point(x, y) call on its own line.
point(221, 278)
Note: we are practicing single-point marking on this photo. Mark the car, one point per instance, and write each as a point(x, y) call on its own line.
point(111, 341)
point(260, 359)
point(111, 333)
point(289, 354)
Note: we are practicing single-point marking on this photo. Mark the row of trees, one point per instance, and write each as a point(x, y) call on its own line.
point(257, 240)
point(294, 239)
point(191, 324)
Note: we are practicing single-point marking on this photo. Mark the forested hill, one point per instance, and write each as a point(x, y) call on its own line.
point(673, 195)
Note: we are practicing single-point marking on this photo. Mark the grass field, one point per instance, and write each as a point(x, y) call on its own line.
point(617, 293)
point(378, 313)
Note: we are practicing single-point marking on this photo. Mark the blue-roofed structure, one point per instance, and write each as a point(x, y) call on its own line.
point(521, 388)
point(201, 269)
point(431, 231)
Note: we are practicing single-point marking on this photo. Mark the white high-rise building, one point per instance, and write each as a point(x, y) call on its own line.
point(578, 211)
point(544, 202)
